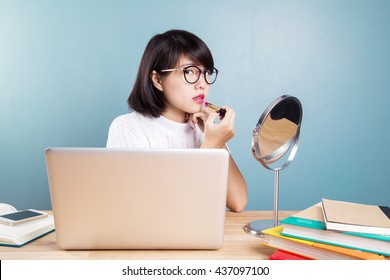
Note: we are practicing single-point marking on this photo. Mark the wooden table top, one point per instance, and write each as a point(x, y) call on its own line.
point(237, 245)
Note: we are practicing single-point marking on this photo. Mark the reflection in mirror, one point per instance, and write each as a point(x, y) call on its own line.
point(275, 141)
point(273, 136)
point(279, 126)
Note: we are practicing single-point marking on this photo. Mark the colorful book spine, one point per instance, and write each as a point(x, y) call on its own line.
point(284, 255)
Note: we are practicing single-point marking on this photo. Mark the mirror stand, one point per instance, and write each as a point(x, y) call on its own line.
point(255, 227)
point(276, 197)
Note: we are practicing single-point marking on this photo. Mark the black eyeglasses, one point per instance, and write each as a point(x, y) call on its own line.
point(192, 74)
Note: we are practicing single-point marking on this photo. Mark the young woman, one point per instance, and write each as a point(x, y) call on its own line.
point(168, 97)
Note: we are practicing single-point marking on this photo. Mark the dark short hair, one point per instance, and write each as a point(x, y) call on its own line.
point(163, 52)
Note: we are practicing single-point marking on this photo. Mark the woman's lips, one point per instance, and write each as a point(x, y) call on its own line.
point(199, 99)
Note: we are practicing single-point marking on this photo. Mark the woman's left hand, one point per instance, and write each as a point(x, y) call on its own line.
point(217, 134)
point(199, 119)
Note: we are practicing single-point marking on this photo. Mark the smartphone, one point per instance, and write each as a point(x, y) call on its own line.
point(22, 216)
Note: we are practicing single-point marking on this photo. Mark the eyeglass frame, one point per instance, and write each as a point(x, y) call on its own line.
point(215, 70)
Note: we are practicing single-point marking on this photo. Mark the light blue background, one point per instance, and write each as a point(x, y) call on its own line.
point(67, 67)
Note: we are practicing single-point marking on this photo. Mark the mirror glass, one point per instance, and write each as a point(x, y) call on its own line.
point(275, 141)
point(277, 130)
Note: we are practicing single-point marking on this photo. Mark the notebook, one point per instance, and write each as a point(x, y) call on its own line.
point(110, 198)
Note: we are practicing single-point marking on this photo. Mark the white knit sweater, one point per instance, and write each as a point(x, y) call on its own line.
point(134, 130)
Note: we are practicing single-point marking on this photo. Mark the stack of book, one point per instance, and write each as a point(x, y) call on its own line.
point(333, 230)
point(18, 235)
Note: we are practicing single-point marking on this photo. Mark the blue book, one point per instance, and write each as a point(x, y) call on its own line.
point(309, 225)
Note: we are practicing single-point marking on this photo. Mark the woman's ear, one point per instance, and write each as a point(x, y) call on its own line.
point(156, 80)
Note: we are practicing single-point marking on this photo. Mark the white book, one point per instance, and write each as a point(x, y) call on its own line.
point(18, 235)
point(356, 217)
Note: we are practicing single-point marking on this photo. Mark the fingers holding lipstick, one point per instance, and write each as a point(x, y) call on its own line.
point(217, 134)
point(228, 120)
point(230, 115)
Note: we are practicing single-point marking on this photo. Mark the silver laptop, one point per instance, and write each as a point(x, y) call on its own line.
point(106, 198)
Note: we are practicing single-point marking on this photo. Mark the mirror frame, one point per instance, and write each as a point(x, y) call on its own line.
point(291, 144)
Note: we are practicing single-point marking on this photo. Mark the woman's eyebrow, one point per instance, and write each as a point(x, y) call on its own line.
point(188, 64)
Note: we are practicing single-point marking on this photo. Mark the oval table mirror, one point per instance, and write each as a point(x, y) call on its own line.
point(275, 142)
